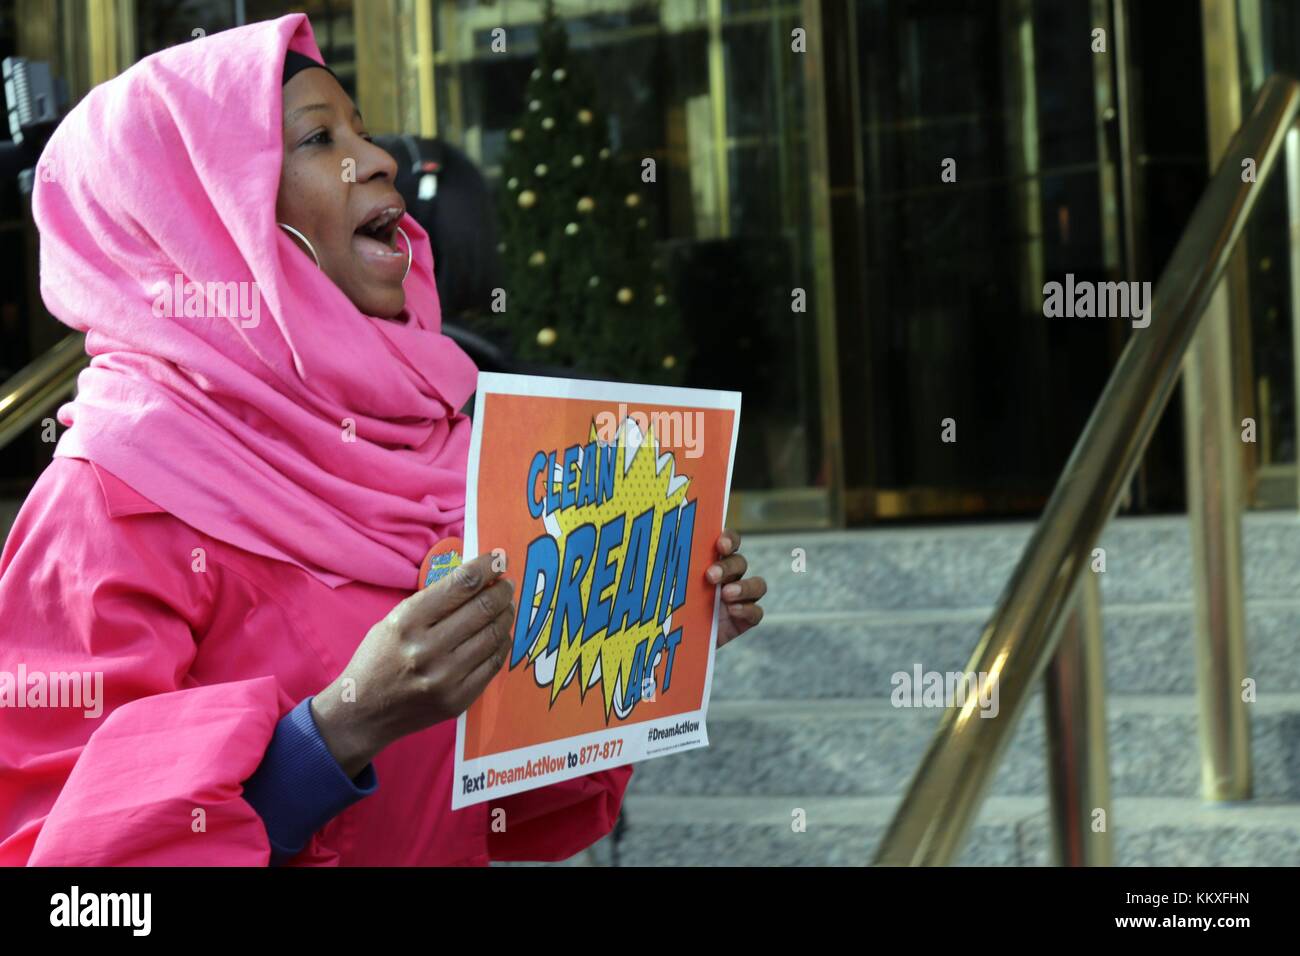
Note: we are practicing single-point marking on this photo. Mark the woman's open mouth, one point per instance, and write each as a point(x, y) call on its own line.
point(375, 240)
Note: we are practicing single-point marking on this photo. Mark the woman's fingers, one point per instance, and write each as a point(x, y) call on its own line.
point(745, 612)
point(476, 613)
point(430, 605)
point(728, 569)
point(750, 589)
point(477, 678)
point(491, 640)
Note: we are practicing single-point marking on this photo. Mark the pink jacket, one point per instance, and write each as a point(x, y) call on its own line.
point(202, 648)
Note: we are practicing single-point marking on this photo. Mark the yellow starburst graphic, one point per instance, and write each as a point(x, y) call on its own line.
point(647, 501)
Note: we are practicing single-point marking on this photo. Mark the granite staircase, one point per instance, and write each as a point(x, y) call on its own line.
point(801, 716)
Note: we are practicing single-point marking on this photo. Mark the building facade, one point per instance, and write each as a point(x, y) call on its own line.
point(859, 204)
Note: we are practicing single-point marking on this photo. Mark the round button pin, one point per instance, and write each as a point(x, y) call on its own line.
point(443, 558)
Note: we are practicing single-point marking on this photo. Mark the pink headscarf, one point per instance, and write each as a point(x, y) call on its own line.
point(238, 422)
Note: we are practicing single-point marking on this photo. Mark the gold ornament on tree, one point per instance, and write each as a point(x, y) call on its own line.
point(624, 295)
point(527, 199)
point(546, 337)
point(548, 123)
point(670, 361)
point(540, 169)
point(538, 258)
point(632, 200)
point(586, 204)
point(585, 117)
point(516, 135)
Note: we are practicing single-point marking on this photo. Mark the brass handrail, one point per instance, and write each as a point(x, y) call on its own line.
point(1021, 636)
point(36, 388)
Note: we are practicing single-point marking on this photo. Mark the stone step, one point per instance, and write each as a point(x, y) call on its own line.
point(1009, 831)
point(1149, 650)
point(836, 747)
point(1148, 559)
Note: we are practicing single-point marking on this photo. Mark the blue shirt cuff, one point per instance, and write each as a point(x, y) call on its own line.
point(299, 786)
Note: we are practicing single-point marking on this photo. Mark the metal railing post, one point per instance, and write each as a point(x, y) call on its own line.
point(1214, 497)
point(1074, 702)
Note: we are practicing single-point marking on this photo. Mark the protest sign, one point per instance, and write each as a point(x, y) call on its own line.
point(605, 503)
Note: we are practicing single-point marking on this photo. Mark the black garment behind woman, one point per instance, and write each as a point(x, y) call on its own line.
point(448, 196)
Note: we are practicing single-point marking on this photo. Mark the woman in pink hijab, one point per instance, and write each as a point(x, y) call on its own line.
point(207, 597)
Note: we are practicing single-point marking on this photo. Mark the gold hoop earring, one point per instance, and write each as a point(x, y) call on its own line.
point(408, 252)
point(310, 247)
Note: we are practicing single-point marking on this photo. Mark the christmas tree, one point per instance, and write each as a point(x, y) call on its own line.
point(584, 288)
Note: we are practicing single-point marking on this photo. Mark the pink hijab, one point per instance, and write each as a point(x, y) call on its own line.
point(277, 418)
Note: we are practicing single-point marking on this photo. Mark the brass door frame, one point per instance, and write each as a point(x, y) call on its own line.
point(394, 56)
point(85, 41)
point(1234, 52)
point(1221, 41)
point(1271, 485)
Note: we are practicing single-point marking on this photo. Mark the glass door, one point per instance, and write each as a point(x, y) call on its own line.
point(984, 149)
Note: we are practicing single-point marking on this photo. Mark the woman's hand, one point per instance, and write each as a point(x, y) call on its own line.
point(740, 610)
point(425, 662)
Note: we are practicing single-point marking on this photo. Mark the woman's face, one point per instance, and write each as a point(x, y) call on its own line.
point(336, 188)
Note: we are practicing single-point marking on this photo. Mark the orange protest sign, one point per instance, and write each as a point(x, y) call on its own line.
point(605, 502)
